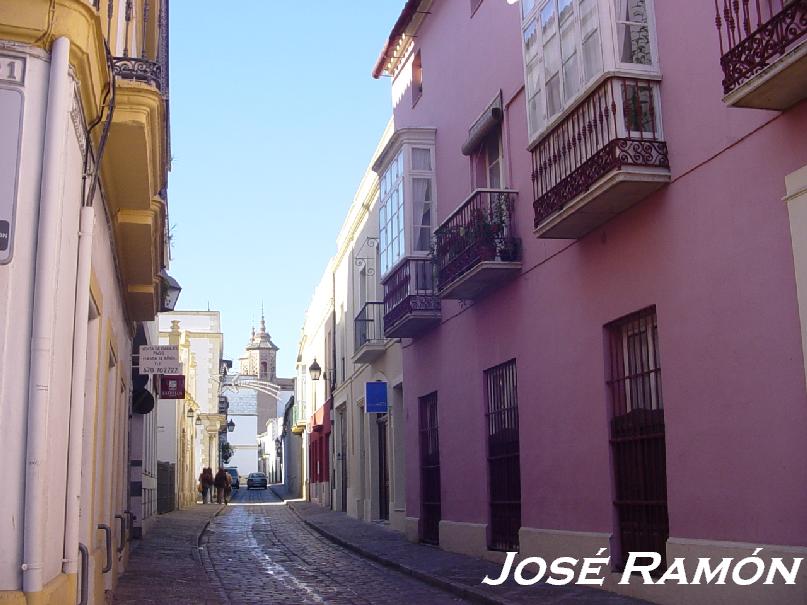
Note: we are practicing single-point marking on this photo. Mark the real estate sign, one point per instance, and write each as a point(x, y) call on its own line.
point(159, 359)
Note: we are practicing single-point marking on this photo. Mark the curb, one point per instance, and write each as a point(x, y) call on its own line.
point(204, 559)
point(206, 525)
point(456, 588)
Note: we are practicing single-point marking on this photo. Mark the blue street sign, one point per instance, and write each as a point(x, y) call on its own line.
point(375, 400)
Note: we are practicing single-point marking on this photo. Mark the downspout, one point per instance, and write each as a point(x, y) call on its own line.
point(77, 384)
point(71, 526)
point(44, 315)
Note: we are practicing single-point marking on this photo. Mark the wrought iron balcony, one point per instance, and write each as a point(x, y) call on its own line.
point(369, 333)
point(476, 247)
point(411, 304)
point(763, 48)
point(606, 155)
point(139, 70)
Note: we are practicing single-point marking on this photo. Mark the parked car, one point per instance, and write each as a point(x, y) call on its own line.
point(233, 470)
point(257, 480)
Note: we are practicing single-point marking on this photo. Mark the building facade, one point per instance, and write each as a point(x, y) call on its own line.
point(355, 455)
point(312, 403)
point(603, 211)
point(188, 428)
point(83, 175)
point(256, 396)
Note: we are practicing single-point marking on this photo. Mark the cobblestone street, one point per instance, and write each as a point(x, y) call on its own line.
point(262, 553)
point(260, 550)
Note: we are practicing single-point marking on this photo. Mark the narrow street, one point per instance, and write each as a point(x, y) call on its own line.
point(261, 552)
point(256, 550)
point(260, 549)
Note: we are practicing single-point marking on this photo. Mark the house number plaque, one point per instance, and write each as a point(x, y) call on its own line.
point(12, 71)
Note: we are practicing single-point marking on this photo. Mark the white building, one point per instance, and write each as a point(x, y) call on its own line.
point(188, 429)
point(355, 458)
point(251, 407)
point(82, 253)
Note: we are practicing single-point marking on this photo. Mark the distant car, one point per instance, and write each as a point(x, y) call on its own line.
point(233, 470)
point(257, 480)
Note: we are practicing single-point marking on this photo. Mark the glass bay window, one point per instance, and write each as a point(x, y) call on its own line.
point(569, 45)
point(406, 199)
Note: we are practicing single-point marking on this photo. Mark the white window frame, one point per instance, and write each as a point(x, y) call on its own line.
point(608, 30)
point(388, 229)
point(413, 174)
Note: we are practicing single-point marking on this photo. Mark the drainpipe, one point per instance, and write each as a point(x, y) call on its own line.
point(71, 529)
point(77, 384)
point(43, 317)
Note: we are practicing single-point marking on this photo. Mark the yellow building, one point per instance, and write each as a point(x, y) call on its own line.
point(84, 154)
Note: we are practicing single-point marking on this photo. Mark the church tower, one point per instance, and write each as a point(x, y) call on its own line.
point(261, 355)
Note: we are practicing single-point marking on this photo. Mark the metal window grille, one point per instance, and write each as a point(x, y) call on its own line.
point(430, 503)
point(504, 470)
point(637, 433)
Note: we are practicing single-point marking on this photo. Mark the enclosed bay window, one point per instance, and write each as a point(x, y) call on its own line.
point(406, 196)
point(569, 44)
point(391, 214)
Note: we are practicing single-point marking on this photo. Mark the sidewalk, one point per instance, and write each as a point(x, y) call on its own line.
point(457, 573)
point(168, 564)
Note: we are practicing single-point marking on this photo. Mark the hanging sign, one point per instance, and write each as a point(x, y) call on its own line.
point(159, 359)
point(375, 397)
point(12, 70)
point(172, 387)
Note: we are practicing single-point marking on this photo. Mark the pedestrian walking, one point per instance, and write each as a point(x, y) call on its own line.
point(206, 481)
point(228, 489)
point(220, 482)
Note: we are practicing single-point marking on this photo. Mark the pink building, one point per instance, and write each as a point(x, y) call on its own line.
point(613, 226)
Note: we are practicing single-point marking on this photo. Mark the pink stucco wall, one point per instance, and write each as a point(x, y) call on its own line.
point(712, 252)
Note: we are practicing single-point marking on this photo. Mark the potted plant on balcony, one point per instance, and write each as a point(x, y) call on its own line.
point(482, 234)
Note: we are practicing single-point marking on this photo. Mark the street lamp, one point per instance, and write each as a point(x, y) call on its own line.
point(315, 370)
point(198, 421)
point(190, 413)
point(170, 291)
point(230, 426)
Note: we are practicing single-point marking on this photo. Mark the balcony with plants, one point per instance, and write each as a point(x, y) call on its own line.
point(476, 248)
point(592, 76)
point(604, 157)
point(763, 52)
point(411, 303)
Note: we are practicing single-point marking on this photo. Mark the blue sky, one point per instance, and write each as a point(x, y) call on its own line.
point(274, 116)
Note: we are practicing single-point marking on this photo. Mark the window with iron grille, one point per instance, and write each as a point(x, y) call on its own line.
point(430, 501)
point(637, 434)
point(504, 470)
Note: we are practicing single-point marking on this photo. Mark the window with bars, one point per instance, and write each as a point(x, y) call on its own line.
point(504, 469)
point(637, 433)
point(430, 501)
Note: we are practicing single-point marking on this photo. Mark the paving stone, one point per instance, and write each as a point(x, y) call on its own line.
point(453, 571)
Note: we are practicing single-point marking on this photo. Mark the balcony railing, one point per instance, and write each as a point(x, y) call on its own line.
point(369, 332)
point(616, 127)
point(411, 303)
point(755, 35)
point(140, 70)
point(477, 241)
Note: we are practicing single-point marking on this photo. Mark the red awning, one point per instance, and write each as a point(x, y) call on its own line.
point(321, 419)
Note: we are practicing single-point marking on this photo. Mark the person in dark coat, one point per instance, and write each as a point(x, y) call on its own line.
point(228, 489)
point(206, 479)
point(220, 482)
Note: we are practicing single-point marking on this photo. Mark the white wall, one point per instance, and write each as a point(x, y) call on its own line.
point(244, 440)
